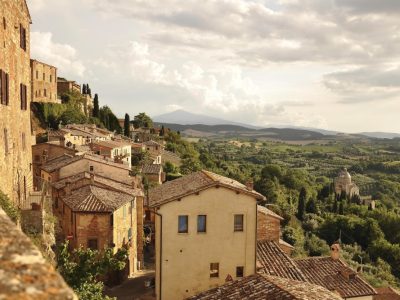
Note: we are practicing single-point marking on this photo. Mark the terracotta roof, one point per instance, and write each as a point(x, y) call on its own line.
point(387, 293)
point(64, 160)
point(193, 183)
point(93, 198)
point(271, 260)
point(111, 144)
point(282, 242)
point(59, 162)
point(267, 287)
point(152, 169)
point(124, 187)
point(330, 273)
point(151, 143)
point(268, 212)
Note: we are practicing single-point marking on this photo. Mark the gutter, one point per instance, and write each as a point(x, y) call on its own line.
point(160, 215)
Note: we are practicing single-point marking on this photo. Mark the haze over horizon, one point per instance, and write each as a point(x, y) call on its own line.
point(312, 63)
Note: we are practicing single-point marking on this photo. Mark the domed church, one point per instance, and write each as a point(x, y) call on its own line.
point(343, 184)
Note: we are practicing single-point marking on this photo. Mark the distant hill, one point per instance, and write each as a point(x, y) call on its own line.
point(229, 131)
point(187, 118)
point(381, 135)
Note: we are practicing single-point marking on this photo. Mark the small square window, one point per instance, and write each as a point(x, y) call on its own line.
point(214, 270)
point(238, 223)
point(239, 271)
point(183, 222)
point(92, 244)
point(201, 223)
point(91, 168)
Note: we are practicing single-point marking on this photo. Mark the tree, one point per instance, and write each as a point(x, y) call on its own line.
point(127, 123)
point(73, 116)
point(142, 120)
point(162, 131)
point(302, 204)
point(109, 120)
point(316, 246)
point(311, 206)
point(96, 106)
point(81, 269)
point(84, 89)
point(341, 208)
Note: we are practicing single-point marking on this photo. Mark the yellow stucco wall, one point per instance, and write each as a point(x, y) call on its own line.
point(186, 258)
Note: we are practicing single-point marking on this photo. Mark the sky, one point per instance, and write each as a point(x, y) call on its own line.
point(331, 64)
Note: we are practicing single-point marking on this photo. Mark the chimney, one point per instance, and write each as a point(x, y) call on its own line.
point(91, 178)
point(67, 188)
point(250, 184)
point(335, 251)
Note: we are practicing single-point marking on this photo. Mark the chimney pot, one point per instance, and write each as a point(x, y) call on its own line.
point(250, 184)
point(335, 251)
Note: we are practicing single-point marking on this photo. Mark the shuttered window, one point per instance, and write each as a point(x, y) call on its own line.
point(4, 88)
point(23, 95)
point(22, 39)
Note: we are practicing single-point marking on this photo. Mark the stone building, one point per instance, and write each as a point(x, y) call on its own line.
point(15, 94)
point(98, 217)
point(41, 153)
point(343, 183)
point(117, 151)
point(205, 228)
point(154, 173)
point(269, 228)
point(43, 82)
point(65, 86)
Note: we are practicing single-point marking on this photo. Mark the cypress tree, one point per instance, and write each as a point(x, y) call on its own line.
point(96, 106)
point(341, 208)
point(302, 204)
point(84, 89)
point(127, 122)
point(335, 206)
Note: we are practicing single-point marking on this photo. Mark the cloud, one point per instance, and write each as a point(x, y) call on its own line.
point(62, 56)
point(370, 83)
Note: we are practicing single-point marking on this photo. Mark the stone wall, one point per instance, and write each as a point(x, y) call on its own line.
point(44, 82)
point(268, 227)
point(32, 221)
point(25, 274)
point(15, 124)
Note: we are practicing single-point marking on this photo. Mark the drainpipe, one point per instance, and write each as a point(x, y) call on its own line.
point(160, 215)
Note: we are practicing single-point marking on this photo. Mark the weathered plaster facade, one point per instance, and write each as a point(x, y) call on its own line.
point(177, 253)
point(15, 123)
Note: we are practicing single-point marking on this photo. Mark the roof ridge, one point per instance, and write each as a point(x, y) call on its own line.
point(207, 173)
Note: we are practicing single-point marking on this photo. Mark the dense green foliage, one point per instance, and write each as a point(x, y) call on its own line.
point(82, 269)
point(9, 208)
point(109, 120)
point(142, 120)
point(96, 109)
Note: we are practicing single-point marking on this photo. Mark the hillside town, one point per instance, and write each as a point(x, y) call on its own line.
point(163, 234)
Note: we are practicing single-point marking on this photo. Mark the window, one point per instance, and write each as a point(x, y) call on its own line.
point(92, 244)
point(45, 92)
point(44, 76)
point(4, 23)
point(4, 88)
point(91, 168)
point(5, 141)
point(51, 78)
point(23, 95)
point(37, 74)
point(239, 271)
point(238, 223)
point(201, 223)
point(23, 140)
point(22, 37)
point(214, 270)
point(183, 222)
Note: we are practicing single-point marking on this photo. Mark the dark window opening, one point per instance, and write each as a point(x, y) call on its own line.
point(92, 244)
point(239, 271)
point(214, 270)
point(183, 222)
point(201, 223)
point(238, 223)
